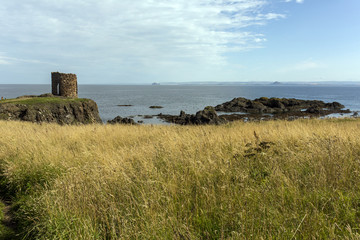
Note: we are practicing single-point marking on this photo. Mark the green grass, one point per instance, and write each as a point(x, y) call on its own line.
point(260, 180)
point(42, 100)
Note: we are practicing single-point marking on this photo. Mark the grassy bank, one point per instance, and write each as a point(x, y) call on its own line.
point(269, 180)
point(41, 100)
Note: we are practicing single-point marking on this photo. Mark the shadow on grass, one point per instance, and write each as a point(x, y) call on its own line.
point(7, 224)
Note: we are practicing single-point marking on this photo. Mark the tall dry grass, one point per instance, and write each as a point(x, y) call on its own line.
point(268, 180)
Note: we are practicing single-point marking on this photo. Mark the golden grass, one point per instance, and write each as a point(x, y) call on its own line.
point(268, 180)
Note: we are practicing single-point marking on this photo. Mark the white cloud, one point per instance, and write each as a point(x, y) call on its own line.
point(3, 61)
point(298, 1)
point(12, 60)
point(307, 65)
point(303, 66)
point(142, 33)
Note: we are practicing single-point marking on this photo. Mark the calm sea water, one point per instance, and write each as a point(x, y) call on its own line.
point(190, 98)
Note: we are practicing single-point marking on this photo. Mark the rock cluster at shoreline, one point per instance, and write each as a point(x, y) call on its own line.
point(206, 116)
point(120, 120)
point(277, 105)
point(258, 109)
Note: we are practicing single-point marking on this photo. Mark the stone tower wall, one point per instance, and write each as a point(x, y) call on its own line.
point(64, 84)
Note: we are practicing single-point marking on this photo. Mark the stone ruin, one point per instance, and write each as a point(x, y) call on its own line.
point(64, 84)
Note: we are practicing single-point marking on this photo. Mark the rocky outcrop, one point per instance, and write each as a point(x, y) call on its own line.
point(156, 107)
point(277, 108)
point(276, 105)
point(259, 109)
point(206, 116)
point(120, 120)
point(51, 109)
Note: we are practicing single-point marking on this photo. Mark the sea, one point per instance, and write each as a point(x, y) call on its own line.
point(189, 98)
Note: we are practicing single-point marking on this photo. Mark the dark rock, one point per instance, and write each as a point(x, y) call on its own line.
point(51, 109)
point(206, 116)
point(156, 107)
point(334, 105)
point(124, 105)
point(120, 120)
point(314, 110)
point(260, 109)
point(276, 105)
point(256, 107)
point(182, 114)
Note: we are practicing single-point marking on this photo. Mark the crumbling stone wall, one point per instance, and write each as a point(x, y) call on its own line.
point(64, 84)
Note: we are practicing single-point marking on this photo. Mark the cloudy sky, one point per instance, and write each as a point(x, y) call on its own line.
point(144, 41)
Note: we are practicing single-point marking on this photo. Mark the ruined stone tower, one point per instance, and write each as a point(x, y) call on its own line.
point(64, 84)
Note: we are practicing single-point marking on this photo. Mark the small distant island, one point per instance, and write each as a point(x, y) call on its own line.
point(155, 84)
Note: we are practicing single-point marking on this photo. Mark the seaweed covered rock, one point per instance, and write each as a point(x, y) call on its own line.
point(260, 109)
point(206, 116)
point(120, 120)
point(275, 105)
point(203, 117)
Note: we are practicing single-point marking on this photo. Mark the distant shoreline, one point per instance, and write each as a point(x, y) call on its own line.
point(276, 84)
point(188, 98)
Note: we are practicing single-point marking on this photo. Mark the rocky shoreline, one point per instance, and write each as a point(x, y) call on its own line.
point(256, 110)
point(62, 110)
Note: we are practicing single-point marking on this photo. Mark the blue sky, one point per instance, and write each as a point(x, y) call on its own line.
point(144, 41)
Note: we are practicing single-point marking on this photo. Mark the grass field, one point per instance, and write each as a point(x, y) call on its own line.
point(263, 180)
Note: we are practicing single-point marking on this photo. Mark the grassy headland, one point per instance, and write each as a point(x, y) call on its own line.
point(268, 180)
point(47, 108)
point(41, 100)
